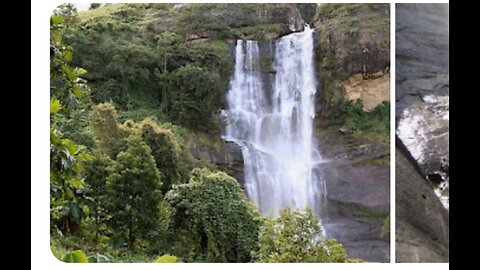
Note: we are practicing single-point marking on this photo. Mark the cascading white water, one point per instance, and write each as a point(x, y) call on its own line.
point(275, 129)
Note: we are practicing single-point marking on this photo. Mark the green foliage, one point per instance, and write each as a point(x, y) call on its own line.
point(66, 84)
point(134, 195)
point(56, 250)
point(67, 157)
point(68, 12)
point(55, 106)
point(103, 122)
point(166, 151)
point(167, 258)
point(139, 114)
point(66, 183)
point(133, 58)
point(193, 84)
point(192, 21)
point(213, 219)
point(76, 256)
point(375, 123)
point(121, 69)
point(96, 174)
point(297, 237)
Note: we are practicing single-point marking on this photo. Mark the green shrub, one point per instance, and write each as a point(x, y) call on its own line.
point(195, 98)
point(212, 218)
point(166, 151)
point(295, 237)
point(103, 122)
point(375, 123)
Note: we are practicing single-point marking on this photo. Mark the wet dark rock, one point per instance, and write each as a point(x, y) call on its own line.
point(422, 117)
point(422, 96)
point(421, 221)
point(357, 177)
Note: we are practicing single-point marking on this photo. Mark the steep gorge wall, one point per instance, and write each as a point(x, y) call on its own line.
point(422, 117)
point(353, 45)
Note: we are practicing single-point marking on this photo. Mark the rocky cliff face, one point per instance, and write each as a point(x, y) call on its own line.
point(372, 91)
point(352, 39)
point(422, 117)
point(246, 21)
point(242, 15)
point(357, 177)
point(421, 221)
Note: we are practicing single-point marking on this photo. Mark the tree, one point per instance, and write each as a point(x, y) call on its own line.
point(193, 84)
point(134, 192)
point(103, 121)
point(213, 218)
point(96, 174)
point(67, 11)
point(67, 157)
point(166, 151)
point(297, 237)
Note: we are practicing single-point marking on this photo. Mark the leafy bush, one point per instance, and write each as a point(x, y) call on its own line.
point(213, 219)
point(195, 98)
point(374, 123)
point(103, 121)
point(166, 151)
point(297, 237)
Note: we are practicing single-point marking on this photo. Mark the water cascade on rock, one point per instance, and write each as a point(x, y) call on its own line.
point(274, 128)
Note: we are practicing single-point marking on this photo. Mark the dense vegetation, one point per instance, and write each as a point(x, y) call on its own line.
point(297, 237)
point(374, 124)
point(123, 186)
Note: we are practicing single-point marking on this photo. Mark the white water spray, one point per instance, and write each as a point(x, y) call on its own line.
point(275, 129)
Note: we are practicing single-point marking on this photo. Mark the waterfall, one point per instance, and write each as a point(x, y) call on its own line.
point(274, 128)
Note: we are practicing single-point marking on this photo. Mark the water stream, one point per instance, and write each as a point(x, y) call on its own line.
point(274, 128)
